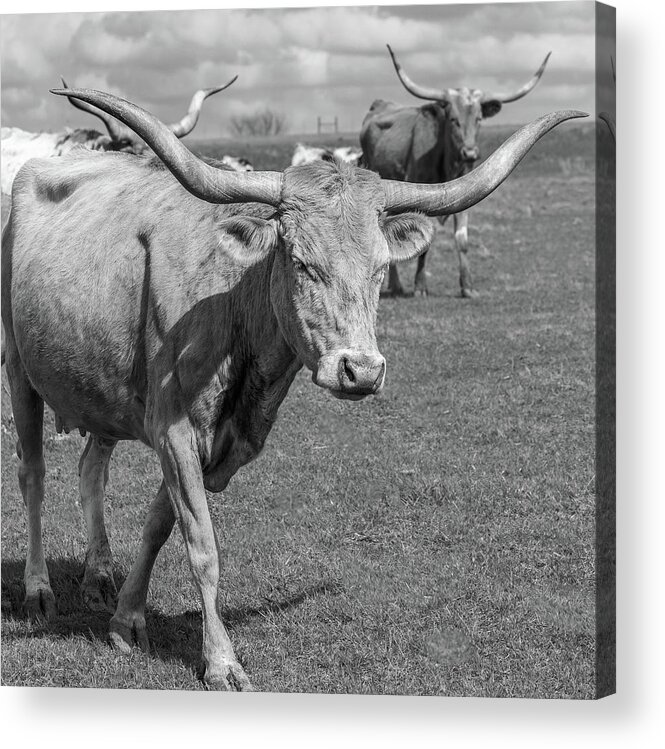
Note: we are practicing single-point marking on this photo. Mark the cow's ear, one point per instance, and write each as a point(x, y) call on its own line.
point(490, 107)
point(248, 238)
point(407, 235)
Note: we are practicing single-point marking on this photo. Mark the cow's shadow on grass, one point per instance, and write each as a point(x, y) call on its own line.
point(172, 638)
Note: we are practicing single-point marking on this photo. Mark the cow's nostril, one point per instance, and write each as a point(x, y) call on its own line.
point(348, 371)
point(379, 377)
point(358, 373)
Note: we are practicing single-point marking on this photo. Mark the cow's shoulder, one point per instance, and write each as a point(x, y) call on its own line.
point(432, 110)
point(387, 114)
point(381, 105)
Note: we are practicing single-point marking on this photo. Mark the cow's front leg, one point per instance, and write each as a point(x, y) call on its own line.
point(462, 247)
point(184, 481)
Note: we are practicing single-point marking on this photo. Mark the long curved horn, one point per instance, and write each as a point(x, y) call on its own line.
point(464, 192)
point(188, 122)
point(505, 98)
point(199, 178)
point(113, 127)
point(422, 92)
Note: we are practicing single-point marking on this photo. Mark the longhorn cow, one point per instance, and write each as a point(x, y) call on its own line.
point(435, 142)
point(237, 163)
point(204, 297)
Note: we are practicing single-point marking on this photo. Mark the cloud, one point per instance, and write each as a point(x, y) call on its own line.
point(32, 45)
point(503, 20)
point(309, 62)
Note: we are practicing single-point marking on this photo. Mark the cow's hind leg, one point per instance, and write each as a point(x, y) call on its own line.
point(98, 588)
point(395, 287)
point(28, 408)
point(128, 623)
point(462, 247)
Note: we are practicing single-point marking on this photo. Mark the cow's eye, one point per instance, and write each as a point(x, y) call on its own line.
point(302, 270)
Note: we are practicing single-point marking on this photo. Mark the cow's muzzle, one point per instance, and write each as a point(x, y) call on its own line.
point(351, 374)
point(470, 154)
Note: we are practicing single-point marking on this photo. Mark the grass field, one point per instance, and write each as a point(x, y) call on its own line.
point(436, 539)
point(564, 150)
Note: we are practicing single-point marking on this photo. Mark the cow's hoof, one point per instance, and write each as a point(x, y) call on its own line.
point(39, 605)
point(230, 677)
point(469, 294)
point(99, 591)
point(420, 284)
point(127, 634)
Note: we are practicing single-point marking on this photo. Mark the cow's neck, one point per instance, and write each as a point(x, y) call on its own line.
point(463, 167)
point(260, 343)
point(454, 165)
point(254, 370)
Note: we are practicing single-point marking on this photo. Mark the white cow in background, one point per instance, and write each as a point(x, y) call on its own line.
point(349, 154)
point(303, 154)
point(18, 146)
point(237, 163)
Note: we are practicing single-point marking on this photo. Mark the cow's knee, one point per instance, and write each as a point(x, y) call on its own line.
point(462, 245)
point(31, 472)
point(462, 239)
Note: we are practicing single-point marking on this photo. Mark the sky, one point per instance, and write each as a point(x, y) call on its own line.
point(303, 62)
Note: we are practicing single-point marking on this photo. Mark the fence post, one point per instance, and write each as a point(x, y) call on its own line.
point(327, 126)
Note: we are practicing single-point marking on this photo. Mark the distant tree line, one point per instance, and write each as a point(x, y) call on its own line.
point(259, 123)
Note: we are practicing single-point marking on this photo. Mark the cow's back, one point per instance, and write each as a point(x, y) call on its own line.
point(105, 253)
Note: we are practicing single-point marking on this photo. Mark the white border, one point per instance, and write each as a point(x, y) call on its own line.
point(113, 718)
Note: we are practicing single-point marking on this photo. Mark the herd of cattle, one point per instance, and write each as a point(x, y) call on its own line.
point(207, 289)
point(431, 143)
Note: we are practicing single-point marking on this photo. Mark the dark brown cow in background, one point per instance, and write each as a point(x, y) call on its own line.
point(434, 142)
